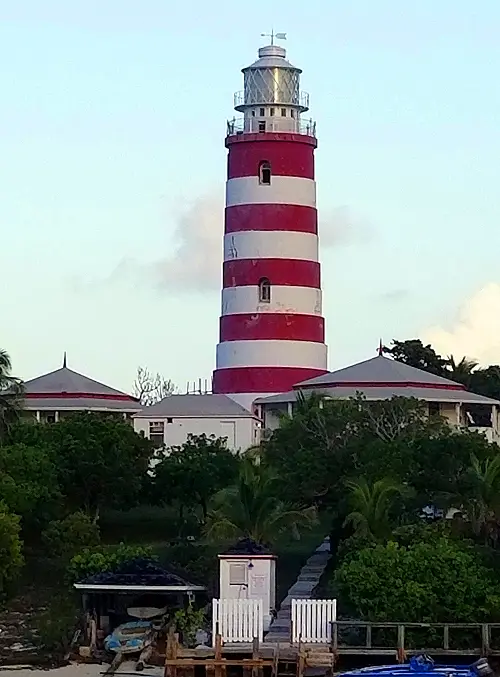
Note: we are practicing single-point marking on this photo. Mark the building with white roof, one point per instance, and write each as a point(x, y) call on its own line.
point(381, 378)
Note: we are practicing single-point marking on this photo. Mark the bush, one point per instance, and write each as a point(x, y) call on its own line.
point(98, 560)
point(439, 581)
point(11, 547)
point(64, 538)
point(55, 626)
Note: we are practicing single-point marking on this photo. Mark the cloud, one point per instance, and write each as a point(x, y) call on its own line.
point(476, 331)
point(195, 264)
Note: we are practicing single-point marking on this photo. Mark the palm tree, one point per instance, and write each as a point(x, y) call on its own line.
point(252, 508)
point(371, 506)
point(462, 371)
point(11, 395)
point(481, 501)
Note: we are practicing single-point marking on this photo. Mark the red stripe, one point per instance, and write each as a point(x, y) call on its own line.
point(261, 379)
point(264, 137)
point(76, 396)
point(286, 272)
point(388, 384)
point(269, 326)
point(287, 158)
point(295, 218)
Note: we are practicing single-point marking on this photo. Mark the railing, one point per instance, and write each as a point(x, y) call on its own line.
point(312, 620)
point(238, 620)
point(475, 631)
point(251, 126)
point(258, 99)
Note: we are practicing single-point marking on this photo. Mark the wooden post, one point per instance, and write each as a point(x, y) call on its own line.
point(401, 644)
point(255, 656)
point(368, 636)
point(171, 652)
point(335, 637)
point(485, 639)
point(446, 637)
point(218, 655)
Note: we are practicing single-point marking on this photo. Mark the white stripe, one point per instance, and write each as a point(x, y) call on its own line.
point(287, 190)
point(271, 354)
point(270, 244)
point(300, 300)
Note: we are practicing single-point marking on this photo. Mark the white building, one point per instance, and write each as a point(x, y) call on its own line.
point(170, 421)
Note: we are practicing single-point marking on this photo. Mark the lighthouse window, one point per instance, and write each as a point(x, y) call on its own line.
point(253, 113)
point(262, 112)
point(265, 173)
point(283, 112)
point(271, 111)
point(292, 113)
point(264, 291)
point(262, 126)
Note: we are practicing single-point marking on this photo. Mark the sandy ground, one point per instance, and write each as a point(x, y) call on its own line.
point(77, 670)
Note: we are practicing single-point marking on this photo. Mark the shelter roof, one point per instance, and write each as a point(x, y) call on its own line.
point(247, 547)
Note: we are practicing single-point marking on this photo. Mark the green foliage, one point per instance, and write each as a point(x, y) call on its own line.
point(64, 538)
point(371, 507)
point(100, 460)
point(101, 559)
point(29, 483)
point(252, 507)
point(11, 555)
point(188, 621)
point(54, 626)
point(423, 582)
point(192, 473)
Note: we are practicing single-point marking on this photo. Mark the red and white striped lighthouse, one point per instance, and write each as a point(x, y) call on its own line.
point(272, 333)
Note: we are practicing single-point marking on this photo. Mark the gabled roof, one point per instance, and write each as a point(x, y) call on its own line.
point(380, 371)
point(188, 406)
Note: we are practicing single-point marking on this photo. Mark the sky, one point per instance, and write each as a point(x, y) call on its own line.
point(112, 171)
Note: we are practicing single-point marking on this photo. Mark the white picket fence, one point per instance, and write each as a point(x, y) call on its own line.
point(312, 620)
point(238, 620)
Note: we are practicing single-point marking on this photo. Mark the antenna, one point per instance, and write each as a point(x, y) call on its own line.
point(273, 35)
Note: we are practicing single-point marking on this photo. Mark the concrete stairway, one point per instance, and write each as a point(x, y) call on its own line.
point(303, 588)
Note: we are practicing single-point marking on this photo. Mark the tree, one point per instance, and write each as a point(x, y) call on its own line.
point(415, 354)
point(436, 582)
point(11, 555)
point(193, 472)
point(371, 507)
point(100, 461)
point(152, 388)
point(29, 483)
point(11, 396)
point(64, 538)
point(251, 508)
point(462, 371)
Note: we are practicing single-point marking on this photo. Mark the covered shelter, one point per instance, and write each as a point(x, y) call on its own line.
point(114, 597)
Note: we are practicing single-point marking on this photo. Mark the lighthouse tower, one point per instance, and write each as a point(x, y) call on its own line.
point(272, 332)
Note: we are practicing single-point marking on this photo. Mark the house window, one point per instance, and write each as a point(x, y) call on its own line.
point(262, 112)
point(157, 432)
point(237, 573)
point(264, 291)
point(262, 126)
point(434, 408)
point(265, 173)
point(283, 112)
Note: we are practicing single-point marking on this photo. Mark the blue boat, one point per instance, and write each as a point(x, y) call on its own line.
point(425, 667)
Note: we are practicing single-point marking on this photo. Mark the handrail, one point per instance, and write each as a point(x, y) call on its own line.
point(401, 628)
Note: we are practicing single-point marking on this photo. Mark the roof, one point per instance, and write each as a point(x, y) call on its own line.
point(380, 370)
point(246, 547)
point(191, 406)
point(137, 574)
point(67, 389)
point(381, 378)
point(377, 393)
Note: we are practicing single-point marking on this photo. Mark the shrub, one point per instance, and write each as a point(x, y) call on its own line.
point(101, 559)
point(439, 581)
point(11, 547)
point(64, 538)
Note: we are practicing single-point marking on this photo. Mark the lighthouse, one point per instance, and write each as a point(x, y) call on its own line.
point(272, 333)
